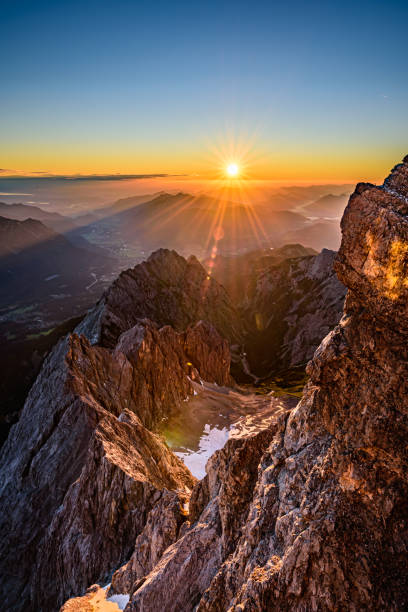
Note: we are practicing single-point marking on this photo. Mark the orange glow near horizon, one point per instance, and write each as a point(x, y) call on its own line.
point(256, 159)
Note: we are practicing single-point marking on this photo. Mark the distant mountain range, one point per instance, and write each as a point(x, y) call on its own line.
point(125, 203)
point(330, 205)
point(236, 219)
point(322, 234)
point(193, 224)
point(72, 228)
point(288, 197)
point(38, 264)
point(20, 212)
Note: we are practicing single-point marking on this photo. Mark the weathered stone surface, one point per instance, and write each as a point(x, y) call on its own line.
point(82, 470)
point(288, 299)
point(74, 501)
point(161, 530)
point(126, 473)
point(290, 308)
point(315, 518)
point(167, 289)
point(150, 370)
point(222, 500)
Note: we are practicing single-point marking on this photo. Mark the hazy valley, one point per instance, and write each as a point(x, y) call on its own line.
point(53, 266)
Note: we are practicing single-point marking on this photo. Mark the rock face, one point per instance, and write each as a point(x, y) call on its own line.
point(82, 470)
point(289, 301)
point(239, 274)
point(167, 289)
point(311, 513)
point(307, 514)
point(218, 509)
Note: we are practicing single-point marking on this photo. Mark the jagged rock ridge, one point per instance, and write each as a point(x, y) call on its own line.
point(313, 515)
point(82, 470)
point(288, 299)
point(167, 289)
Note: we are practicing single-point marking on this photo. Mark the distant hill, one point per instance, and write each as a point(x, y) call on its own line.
point(331, 206)
point(20, 212)
point(324, 234)
point(36, 262)
point(193, 223)
point(125, 203)
point(73, 229)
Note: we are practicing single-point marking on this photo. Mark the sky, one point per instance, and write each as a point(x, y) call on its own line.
point(308, 91)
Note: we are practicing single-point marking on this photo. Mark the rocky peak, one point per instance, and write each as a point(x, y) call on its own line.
point(167, 289)
point(397, 183)
point(321, 266)
point(312, 514)
point(373, 259)
point(82, 470)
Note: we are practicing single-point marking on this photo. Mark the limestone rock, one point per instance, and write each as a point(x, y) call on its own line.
point(81, 471)
point(167, 289)
point(291, 307)
point(222, 501)
point(315, 517)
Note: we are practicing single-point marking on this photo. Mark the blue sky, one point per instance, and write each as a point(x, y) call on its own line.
point(148, 86)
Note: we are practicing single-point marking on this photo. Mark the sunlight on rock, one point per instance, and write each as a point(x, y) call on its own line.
point(396, 274)
point(394, 277)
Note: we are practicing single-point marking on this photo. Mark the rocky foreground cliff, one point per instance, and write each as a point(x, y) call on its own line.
point(311, 513)
point(83, 469)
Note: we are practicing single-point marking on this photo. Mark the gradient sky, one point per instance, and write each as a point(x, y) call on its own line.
point(301, 90)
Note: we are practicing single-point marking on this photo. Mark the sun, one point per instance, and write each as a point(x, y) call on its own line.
point(232, 170)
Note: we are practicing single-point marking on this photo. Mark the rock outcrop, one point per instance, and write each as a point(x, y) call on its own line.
point(292, 307)
point(312, 513)
point(219, 508)
point(288, 299)
point(82, 470)
point(167, 289)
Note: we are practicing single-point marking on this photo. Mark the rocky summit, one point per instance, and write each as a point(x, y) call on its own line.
point(306, 513)
point(83, 469)
point(310, 514)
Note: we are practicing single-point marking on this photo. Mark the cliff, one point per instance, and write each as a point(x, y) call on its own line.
point(289, 309)
point(82, 469)
point(311, 514)
point(306, 513)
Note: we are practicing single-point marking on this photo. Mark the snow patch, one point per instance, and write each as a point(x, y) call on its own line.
point(120, 600)
point(212, 439)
